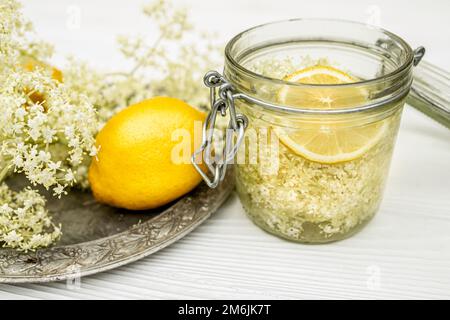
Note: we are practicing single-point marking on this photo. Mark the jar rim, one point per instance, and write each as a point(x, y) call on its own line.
point(406, 64)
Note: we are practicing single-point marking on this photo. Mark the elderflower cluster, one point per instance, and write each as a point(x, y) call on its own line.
point(174, 62)
point(45, 141)
point(24, 221)
point(15, 34)
point(46, 133)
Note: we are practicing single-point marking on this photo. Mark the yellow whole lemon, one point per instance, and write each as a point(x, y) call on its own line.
point(144, 151)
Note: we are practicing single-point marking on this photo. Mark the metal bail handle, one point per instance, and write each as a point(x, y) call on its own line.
point(419, 52)
point(222, 98)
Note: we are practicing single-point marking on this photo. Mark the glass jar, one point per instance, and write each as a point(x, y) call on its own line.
point(312, 164)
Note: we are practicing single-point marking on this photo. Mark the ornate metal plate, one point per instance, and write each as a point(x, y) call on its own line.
point(97, 238)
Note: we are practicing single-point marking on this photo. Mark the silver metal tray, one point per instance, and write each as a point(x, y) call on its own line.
point(97, 238)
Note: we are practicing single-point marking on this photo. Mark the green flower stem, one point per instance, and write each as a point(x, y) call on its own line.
point(5, 170)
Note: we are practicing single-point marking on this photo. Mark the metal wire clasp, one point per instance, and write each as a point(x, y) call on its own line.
point(222, 99)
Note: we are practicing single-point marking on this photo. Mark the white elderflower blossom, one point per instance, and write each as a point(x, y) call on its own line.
point(59, 120)
point(36, 109)
point(24, 221)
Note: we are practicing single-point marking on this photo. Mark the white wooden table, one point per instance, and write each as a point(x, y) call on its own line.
point(403, 253)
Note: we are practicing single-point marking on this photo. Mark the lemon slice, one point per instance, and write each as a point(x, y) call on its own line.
point(326, 141)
